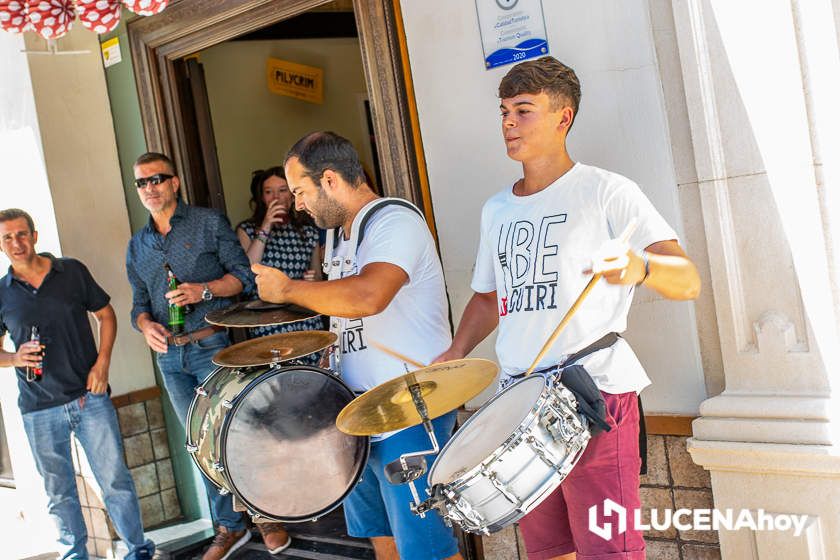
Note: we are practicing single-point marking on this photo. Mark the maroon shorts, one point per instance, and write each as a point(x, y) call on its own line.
point(609, 468)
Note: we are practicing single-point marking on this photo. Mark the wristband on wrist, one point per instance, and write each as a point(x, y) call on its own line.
point(262, 235)
point(647, 267)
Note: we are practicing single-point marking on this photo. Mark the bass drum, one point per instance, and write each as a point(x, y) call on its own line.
point(267, 435)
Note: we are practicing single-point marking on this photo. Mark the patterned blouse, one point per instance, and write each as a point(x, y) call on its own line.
point(289, 250)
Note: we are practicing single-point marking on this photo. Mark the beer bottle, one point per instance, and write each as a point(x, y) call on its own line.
point(176, 312)
point(35, 373)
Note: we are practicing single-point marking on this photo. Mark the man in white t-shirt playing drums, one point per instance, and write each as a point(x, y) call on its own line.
point(540, 240)
point(394, 296)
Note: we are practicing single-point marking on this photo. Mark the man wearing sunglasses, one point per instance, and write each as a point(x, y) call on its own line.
point(200, 248)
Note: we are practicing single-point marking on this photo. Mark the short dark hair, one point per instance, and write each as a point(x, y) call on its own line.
point(543, 75)
point(14, 213)
point(151, 157)
point(319, 151)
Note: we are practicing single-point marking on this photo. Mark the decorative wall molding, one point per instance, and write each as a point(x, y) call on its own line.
point(772, 330)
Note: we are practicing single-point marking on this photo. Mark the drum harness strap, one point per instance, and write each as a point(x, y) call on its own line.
point(576, 379)
point(335, 268)
point(573, 376)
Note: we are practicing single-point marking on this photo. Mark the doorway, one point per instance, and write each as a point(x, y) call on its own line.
point(200, 69)
point(160, 44)
point(252, 97)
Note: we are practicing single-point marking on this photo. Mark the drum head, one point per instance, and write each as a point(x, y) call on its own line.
point(282, 453)
point(486, 430)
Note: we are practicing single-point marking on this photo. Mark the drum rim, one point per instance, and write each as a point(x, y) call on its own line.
point(223, 431)
point(187, 429)
point(529, 419)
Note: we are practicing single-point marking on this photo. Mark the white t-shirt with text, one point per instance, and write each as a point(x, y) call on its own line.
point(533, 251)
point(416, 322)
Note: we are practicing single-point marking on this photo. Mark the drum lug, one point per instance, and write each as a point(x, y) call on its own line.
point(454, 508)
point(255, 517)
point(315, 519)
point(553, 423)
point(542, 452)
point(238, 372)
point(223, 491)
point(191, 447)
point(501, 487)
point(227, 404)
point(201, 391)
point(218, 467)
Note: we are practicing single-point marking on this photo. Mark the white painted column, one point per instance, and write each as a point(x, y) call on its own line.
point(760, 81)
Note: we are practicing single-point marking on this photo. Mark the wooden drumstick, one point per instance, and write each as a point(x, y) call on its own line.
point(625, 238)
point(395, 354)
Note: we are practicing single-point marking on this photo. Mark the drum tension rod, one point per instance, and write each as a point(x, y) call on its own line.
point(411, 466)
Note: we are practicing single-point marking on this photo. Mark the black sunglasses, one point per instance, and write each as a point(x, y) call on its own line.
point(153, 180)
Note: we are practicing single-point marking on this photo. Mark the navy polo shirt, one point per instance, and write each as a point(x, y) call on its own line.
point(59, 308)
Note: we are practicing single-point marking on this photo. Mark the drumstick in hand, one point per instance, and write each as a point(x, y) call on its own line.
point(395, 354)
point(625, 238)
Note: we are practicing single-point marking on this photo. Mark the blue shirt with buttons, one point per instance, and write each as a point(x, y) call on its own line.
point(59, 308)
point(200, 247)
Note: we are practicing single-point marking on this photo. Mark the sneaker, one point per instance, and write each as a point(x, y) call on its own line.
point(225, 543)
point(275, 537)
point(145, 552)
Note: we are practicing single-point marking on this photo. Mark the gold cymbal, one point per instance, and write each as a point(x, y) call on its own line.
point(258, 314)
point(389, 406)
point(276, 347)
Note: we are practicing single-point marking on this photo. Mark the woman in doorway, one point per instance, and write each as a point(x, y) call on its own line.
point(277, 235)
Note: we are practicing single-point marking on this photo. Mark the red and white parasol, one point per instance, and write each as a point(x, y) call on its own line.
point(146, 7)
point(100, 16)
point(14, 16)
point(51, 18)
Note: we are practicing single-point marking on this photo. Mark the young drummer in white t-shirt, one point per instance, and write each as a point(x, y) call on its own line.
point(540, 241)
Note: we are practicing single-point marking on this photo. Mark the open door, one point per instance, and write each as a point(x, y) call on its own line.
point(199, 169)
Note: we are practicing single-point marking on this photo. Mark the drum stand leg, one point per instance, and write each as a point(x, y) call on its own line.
point(411, 466)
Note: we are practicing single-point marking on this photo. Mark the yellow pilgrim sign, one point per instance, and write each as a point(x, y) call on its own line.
point(295, 80)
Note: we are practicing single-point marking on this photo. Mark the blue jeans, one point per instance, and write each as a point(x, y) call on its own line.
point(377, 508)
point(94, 421)
point(184, 368)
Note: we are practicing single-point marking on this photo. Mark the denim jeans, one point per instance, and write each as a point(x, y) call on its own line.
point(94, 421)
point(184, 368)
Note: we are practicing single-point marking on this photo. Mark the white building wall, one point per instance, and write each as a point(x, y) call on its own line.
point(59, 161)
point(621, 126)
point(22, 509)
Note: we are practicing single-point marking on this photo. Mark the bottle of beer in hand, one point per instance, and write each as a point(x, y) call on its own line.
point(35, 373)
point(176, 312)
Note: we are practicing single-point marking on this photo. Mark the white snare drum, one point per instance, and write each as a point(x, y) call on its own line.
point(509, 456)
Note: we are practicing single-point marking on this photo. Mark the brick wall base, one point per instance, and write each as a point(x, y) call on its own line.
point(147, 457)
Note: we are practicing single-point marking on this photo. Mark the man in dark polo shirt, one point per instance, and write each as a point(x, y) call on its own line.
point(207, 258)
point(55, 295)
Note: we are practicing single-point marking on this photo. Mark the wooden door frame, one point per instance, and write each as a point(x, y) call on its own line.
point(189, 26)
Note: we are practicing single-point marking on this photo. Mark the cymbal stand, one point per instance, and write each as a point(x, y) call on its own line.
point(411, 466)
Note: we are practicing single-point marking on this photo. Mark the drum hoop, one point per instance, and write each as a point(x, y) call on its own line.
point(223, 432)
point(190, 410)
point(529, 419)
